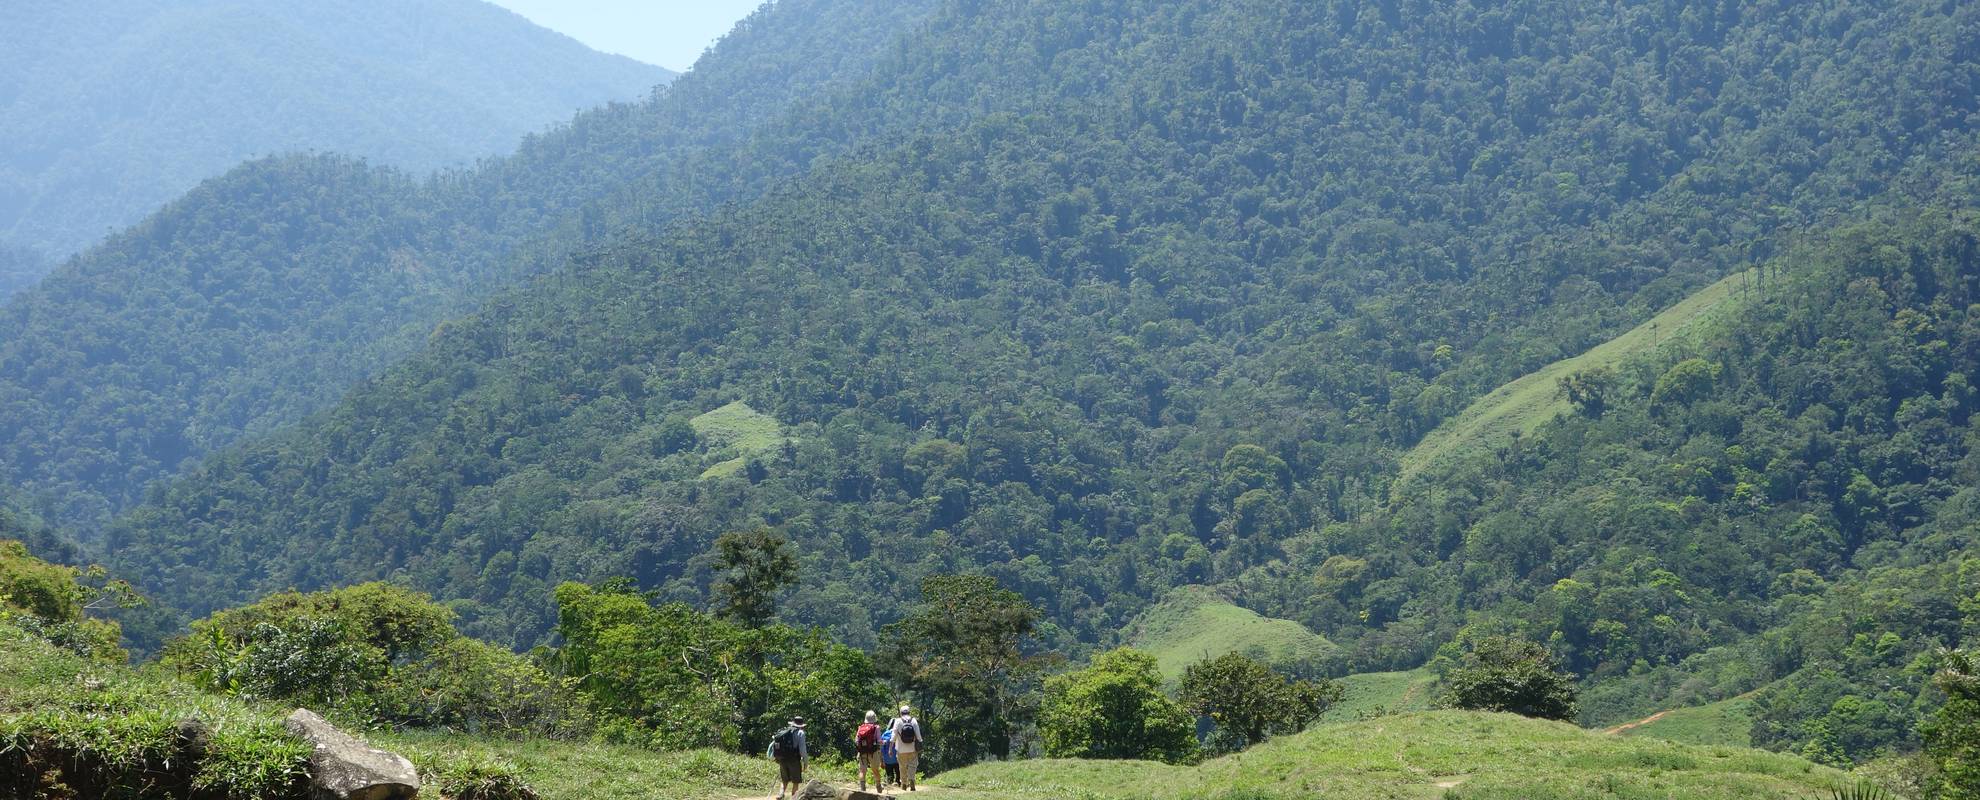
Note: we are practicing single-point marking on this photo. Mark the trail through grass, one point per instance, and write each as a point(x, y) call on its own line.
point(1522, 406)
point(1726, 722)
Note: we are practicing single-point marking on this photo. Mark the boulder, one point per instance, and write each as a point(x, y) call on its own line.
point(820, 790)
point(343, 767)
point(817, 790)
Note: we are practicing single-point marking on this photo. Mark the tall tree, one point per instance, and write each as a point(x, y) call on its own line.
point(965, 653)
point(1952, 737)
point(755, 565)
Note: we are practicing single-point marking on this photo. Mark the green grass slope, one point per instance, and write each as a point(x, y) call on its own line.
point(1519, 408)
point(1440, 754)
point(733, 433)
point(1194, 623)
point(1373, 693)
point(1727, 722)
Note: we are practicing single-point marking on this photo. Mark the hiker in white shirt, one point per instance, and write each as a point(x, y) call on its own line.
point(909, 738)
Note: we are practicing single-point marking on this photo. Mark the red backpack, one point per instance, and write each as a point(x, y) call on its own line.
point(867, 740)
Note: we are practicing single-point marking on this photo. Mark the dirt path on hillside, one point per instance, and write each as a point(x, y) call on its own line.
point(1637, 724)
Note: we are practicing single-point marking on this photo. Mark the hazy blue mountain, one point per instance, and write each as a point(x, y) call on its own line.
point(110, 108)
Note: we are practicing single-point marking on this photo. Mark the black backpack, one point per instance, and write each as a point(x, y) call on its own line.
point(784, 746)
point(910, 731)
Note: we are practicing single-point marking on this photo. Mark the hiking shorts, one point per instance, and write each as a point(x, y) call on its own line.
point(791, 770)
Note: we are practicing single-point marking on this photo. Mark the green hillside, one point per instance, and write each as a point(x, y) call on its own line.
point(1194, 624)
point(1131, 337)
point(1520, 407)
point(1442, 754)
point(1377, 693)
point(1726, 722)
point(266, 293)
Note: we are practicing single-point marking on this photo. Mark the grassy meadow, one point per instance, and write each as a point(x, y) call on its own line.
point(733, 433)
point(1459, 755)
point(1193, 624)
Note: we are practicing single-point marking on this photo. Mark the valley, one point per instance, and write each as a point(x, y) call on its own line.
point(1159, 398)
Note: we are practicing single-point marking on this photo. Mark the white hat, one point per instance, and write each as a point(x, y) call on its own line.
point(905, 709)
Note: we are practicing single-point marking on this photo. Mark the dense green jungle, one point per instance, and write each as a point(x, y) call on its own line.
point(937, 351)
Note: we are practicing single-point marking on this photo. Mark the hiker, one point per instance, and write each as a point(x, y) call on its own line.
point(909, 738)
point(889, 758)
point(788, 750)
point(866, 743)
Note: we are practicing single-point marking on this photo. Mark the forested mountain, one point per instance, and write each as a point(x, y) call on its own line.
point(110, 108)
point(266, 293)
point(1160, 302)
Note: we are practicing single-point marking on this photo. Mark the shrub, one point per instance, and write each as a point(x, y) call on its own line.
point(1115, 709)
point(1249, 702)
point(1506, 674)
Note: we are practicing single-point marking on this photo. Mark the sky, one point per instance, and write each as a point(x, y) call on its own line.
point(670, 33)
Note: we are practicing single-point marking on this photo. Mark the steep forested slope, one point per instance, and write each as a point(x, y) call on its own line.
point(110, 108)
point(1787, 503)
point(266, 293)
point(1195, 275)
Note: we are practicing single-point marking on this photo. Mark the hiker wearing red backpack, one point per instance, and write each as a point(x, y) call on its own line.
point(909, 738)
point(866, 743)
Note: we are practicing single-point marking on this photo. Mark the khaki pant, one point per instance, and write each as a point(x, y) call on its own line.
point(869, 763)
point(907, 768)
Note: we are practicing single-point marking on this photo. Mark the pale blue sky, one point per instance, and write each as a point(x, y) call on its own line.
point(670, 33)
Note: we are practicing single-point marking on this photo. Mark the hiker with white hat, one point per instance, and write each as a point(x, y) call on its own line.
point(787, 748)
point(909, 738)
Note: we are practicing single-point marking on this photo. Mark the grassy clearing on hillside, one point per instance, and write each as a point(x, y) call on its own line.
point(1194, 624)
point(1372, 693)
point(1522, 406)
point(1727, 722)
point(1441, 754)
point(733, 433)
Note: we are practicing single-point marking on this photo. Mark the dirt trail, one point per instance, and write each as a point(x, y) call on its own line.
point(1639, 723)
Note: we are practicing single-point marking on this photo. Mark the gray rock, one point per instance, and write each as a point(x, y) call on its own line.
point(343, 767)
point(817, 790)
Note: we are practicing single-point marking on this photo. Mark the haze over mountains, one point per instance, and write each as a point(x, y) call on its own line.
point(1102, 299)
point(110, 108)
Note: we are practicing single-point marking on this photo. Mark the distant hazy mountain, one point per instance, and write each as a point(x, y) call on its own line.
point(110, 108)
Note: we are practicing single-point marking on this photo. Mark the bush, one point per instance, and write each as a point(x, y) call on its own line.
point(1505, 674)
point(1115, 709)
point(1249, 702)
point(375, 651)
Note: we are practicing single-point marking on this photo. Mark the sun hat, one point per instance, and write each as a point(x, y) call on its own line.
point(906, 710)
point(797, 722)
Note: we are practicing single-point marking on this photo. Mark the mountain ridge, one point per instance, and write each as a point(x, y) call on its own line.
point(113, 107)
